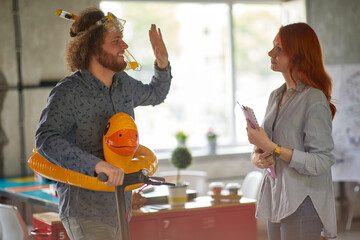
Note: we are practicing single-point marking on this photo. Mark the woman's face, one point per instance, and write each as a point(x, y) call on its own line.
point(279, 61)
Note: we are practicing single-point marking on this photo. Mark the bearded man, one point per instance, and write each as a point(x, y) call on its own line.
point(71, 126)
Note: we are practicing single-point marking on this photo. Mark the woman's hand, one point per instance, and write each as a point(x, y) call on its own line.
point(158, 47)
point(259, 138)
point(115, 174)
point(265, 147)
point(262, 159)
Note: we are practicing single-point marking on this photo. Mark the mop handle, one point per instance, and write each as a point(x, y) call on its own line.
point(137, 177)
point(129, 178)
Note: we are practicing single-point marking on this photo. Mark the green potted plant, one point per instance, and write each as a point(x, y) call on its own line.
point(211, 137)
point(181, 138)
point(181, 158)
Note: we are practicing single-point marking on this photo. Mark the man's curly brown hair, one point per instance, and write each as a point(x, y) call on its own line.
point(84, 43)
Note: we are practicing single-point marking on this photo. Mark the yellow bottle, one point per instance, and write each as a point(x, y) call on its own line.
point(64, 14)
point(131, 62)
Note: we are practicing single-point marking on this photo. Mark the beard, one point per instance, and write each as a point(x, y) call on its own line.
point(110, 61)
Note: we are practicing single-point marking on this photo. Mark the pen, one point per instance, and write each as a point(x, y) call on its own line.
point(268, 156)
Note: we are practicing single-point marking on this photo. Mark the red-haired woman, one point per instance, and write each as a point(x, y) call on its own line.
point(296, 139)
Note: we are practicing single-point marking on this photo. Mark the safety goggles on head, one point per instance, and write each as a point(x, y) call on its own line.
point(111, 22)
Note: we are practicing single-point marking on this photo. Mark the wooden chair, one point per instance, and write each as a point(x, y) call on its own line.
point(13, 226)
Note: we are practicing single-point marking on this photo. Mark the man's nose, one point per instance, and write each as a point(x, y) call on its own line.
point(124, 45)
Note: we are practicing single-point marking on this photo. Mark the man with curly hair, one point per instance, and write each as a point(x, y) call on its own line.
point(71, 126)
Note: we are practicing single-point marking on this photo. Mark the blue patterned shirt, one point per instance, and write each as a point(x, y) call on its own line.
point(71, 128)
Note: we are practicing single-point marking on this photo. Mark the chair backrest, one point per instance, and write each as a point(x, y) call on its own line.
point(12, 224)
point(196, 179)
point(251, 185)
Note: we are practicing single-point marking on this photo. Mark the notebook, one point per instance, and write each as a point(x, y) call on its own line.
point(250, 115)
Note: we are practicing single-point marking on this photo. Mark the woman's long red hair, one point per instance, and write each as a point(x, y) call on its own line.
point(301, 45)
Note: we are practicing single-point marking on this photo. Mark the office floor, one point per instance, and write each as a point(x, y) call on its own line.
point(353, 234)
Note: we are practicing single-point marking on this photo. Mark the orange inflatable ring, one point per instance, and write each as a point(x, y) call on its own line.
point(121, 149)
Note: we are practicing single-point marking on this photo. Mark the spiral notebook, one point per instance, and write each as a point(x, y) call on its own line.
point(250, 115)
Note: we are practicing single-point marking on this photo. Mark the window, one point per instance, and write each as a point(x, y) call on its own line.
point(255, 27)
point(218, 54)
